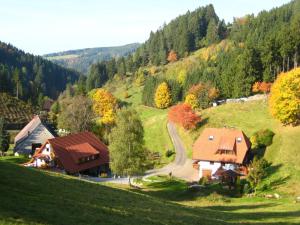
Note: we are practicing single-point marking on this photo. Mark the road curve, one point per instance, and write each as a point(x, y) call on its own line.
point(181, 167)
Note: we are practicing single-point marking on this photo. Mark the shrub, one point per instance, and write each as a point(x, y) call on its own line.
point(257, 172)
point(169, 153)
point(126, 95)
point(204, 181)
point(262, 138)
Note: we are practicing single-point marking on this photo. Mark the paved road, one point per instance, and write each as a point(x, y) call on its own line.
point(181, 167)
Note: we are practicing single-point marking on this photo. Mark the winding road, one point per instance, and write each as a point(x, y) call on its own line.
point(181, 167)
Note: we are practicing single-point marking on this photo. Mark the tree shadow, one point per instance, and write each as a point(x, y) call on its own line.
point(203, 122)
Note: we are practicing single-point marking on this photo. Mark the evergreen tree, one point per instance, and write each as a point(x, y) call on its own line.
point(4, 136)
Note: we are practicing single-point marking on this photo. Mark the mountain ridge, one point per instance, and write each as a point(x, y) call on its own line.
point(81, 59)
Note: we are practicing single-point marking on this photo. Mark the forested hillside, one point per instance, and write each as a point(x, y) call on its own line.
point(15, 112)
point(81, 59)
point(31, 77)
point(233, 56)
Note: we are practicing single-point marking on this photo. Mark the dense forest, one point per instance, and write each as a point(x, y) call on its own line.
point(260, 47)
point(81, 59)
point(30, 77)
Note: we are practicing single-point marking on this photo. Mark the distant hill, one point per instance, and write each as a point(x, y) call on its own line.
point(31, 77)
point(15, 112)
point(81, 59)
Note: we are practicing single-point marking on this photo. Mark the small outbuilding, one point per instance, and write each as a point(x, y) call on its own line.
point(32, 136)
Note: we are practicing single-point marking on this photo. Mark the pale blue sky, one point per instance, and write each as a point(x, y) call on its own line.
point(45, 26)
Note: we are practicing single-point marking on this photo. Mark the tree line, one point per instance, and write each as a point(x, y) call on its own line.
point(30, 77)
point(262, 46)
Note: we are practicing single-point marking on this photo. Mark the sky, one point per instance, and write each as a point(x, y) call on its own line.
point(46, 26)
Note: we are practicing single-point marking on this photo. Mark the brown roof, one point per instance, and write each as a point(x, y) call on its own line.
point(71, 148)
point(212, 141)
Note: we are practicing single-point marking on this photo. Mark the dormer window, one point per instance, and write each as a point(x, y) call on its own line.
point(239, 140)
point(211, 138)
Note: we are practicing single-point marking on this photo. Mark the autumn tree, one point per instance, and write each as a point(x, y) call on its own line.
point(127, 153)
point(104, 105)
point(264, 87)
point(182, 76)
point(205, 93)
point(192, 100)
point(162, 96)
point(172, 57)
point(284, 101)
point(255, 87)
point(183, 115)
point(76, 114)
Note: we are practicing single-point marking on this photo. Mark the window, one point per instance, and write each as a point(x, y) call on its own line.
point(239, 140)
point(211, 138)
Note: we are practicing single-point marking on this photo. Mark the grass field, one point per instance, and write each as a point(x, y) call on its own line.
point(251, 116)
point(154, 120)
point(30, 196)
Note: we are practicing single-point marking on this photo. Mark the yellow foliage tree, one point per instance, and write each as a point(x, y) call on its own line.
point(192, 100)
point(162, 96)
point(104, 105)
point(182, 76)
point(284, 101)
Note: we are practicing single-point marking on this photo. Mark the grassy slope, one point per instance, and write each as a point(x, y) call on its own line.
point(250, 117)
point(30, 196)
point(154, 120)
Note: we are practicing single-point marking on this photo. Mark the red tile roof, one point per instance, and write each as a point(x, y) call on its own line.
point(213, 140)
point(71, 148)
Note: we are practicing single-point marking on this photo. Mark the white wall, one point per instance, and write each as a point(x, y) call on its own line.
point(47, 150)
point(213, 167)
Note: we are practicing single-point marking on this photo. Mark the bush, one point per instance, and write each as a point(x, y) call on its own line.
point(204, 181)
point(262, 138)
point(169, 153)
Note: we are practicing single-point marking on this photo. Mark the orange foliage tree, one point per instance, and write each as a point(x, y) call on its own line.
point(172, 57)
point(183, 115)
point(264, 87)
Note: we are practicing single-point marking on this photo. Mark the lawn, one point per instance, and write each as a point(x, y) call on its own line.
point(154, 120)
point(30, 196)
point(157, 138)
point(250, 117)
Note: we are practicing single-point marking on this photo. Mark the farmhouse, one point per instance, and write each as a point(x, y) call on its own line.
point(220, 149)
point(75, 153)
point(32, 136)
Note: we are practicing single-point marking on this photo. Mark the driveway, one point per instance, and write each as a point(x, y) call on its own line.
point(182, 166)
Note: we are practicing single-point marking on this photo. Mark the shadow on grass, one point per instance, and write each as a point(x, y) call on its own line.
point(32, 196)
